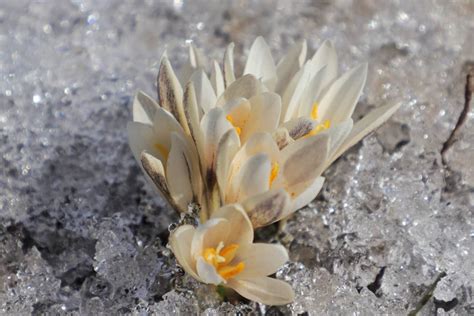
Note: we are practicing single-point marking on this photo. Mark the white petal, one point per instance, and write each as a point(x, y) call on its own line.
point(196, 60)
point(364, 126)
point(180, 174)
point(325, 56)
point(265, 114)
point(217, 79)
point(305, 197)
point(180, 243)
point(226, 150)
point(207, 273)
point(164, 124)
point(264, 290)
point(239, 111)
point(155, 172)
point(292, 96)
point(193, 116)
point(229, 74)
point(142, 137)
point(303, 160)
point(338, 103)
point(338, 134)
point(213, 125)
point(170, 92)
point(261, 260)
point(144, 108)
point(313, 92)
point(245, 87)
point(266, 208)
point(241, 231)
point(260, 63)
point(290, 64)
point(205, 95)
point(253, 178)
point(259, 143)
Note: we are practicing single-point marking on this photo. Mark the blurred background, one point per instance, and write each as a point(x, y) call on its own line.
point(81, 233)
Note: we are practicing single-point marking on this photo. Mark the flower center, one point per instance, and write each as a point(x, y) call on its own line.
point(231, 120)
point(273, 172)
point(163, 151)
point(220, 257)
point(319, 128)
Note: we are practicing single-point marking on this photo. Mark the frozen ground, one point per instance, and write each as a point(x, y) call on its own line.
point(82, 234)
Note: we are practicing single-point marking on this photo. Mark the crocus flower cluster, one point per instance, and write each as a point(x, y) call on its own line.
point(249, 149)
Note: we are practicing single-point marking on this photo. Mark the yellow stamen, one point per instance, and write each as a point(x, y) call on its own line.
point(220, 257)
point(274, 172)
point(319, 128)
point(229, 272)
point(314, 111)
point(229, 252)
point(231, 120)
point(162, 149)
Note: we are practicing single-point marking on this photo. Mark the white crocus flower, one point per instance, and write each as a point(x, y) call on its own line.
point(221, 252)
point(262, 139)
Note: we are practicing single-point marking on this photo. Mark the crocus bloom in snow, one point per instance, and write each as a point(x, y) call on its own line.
point(261, 139)
point(221, 252)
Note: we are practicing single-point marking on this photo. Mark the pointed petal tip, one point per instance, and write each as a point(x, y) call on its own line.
point(328, 43)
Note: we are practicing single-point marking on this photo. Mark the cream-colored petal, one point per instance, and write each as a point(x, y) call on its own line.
point(156, 173)
point(205, 95)
point(241, 231)
point(142, 137)
point(163, 125)
point(251, 179)
point(265, 290)
point(229, 74)
point(261, 260)
point(209, 235)
point(238, 111)
point(325, 56)
point(313, 92)
point(144, 108)
point(302, 161)
point(245, 87)
point(339, 101)
point(299, 127)
point(217, 79)
point(260, 63)
point(307, 195)
point(338, 134)
point(292, 96)
point(226, 150)
point(207, 273)
point(268, 207)
point(265, 114)
point(180, 174)
point(213, 125)
point(259, 143)
point(364, 126)
point(180, 242)
point(196, 60)
point(290, 64)
point(170, 92)
point(193, 116)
